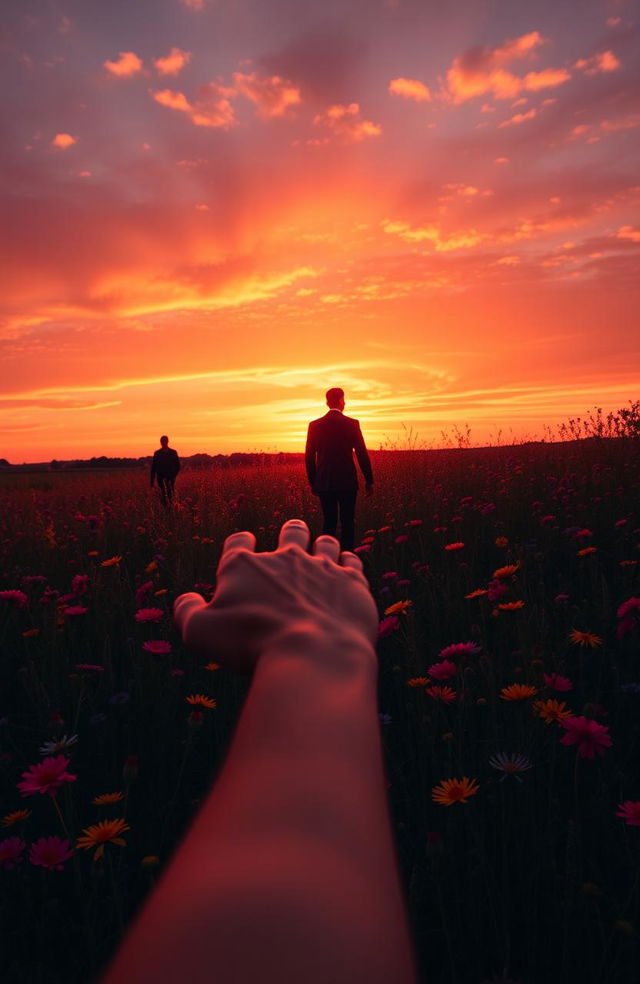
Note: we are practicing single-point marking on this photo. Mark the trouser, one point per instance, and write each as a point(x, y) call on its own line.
point(166, 486)
point(342, 504)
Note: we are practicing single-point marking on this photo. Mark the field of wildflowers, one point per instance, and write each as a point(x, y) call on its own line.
point(509, 700)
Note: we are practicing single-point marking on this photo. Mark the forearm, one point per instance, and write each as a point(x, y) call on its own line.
point(289, 872)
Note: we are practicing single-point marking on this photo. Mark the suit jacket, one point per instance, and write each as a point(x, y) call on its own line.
point(165, 464)
point(331, 441)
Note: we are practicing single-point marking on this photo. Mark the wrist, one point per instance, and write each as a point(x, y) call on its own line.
point(327, 646)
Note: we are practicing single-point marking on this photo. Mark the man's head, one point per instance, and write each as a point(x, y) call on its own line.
point(335, 398)
point(164, 440)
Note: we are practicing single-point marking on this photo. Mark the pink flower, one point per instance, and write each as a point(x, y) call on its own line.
point(590, 737)
point(459, 649)
point(388, 625)
point(143, 591)
point(10, 851)
point(496, 590)
point(630, 812)
point(76, 610)
point(157, 647)
point(443, 670)
point(46, 777)
point(557, 682)
point(50, 853)
point(149, 615)
point(628, 612)
point(19, 598)
point(79, 584)
point(444, 694)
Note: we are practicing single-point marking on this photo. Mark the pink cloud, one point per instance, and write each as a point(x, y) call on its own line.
point(628, 232)
point(345, 122)
point(410, 89)
point(126, 65)
point(605, 61)
point(548, 78)
point(173, 63)
point(480, 70)
point(271, 95)
point(519, 118)
point(212, 109)
point(193, 4)
point(63, 140)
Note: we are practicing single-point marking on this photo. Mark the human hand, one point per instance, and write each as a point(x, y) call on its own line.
point(261, 596)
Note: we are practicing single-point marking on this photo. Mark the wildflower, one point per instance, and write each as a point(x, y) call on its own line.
point(79, 584)
point(511, 765)
point(507, 571)
point(111, 562)
point(477, 593)
point(388, 625)
point(17, 816)
point(561, 598)
point(10, 851)
point(50, 853)
point(444, 694)
point(100, 834)
point(75, 610)
point(142, 592)
point(459, 649)
point(30, 633)
point(157, 646)
point(46, 776)
point(518, 691)
point(511, 606)
point(458, 545)
point(557, 682)
point(590, 737)
point(212, 667)
point(630, 812)
point(105, 799)
point(586, 551)
point(151, 567)
point(443, 670)
point(400, 608)
point(418, 682)
point(585, 639)
point(496, 590)
point(551, 710)
point(200, 700)
point(18, 598)
point(451, 791)
point(92, 553)
point(149, 615)
point(55, 745)
point(502, 541)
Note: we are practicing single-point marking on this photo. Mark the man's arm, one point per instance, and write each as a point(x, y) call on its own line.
point(310, 455)
point(363, 456)
point(176, 464)
point(154, 466)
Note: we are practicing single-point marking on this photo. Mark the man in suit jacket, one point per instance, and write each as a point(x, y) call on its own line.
point(331, 441)
point(165, 467)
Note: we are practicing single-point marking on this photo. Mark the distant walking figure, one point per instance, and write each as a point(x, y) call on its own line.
point(331, 441)
point(165, 467)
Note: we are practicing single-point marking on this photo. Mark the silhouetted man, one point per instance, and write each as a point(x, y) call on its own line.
point(165, 467)
point(331, 441)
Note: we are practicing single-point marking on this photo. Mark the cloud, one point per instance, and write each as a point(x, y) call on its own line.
point(126, 65)
point(519, 118)
point(173, 63)
point(605, 61)
point(63, 140)
point(410, 89)
point(345, 122)
point(211, 109)
point(271, 95)
point(548, 78)
point(193, 4)
point(442, 242)
point(628, 232)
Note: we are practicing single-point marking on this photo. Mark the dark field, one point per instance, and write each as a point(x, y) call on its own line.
point(526, 554)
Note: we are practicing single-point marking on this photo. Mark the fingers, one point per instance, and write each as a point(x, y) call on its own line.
point(243, 540)
point(327, 546)
point(294, 531)
point(348, 559)
point(183, 608)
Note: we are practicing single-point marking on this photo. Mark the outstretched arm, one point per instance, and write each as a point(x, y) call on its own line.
point(288, 873)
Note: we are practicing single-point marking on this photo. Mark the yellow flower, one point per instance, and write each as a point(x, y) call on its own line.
point(451, 791)
point(507, 571)
point(502, 541)
point(99, 834)
point(30, 633)
point(92, 553)
point(586, 551)
point(518, 691)
point(212, 666)
point(458, 545)
point(111, 562)
point(160, 592)
point(551, 710)
point(585, 639)
point(477, 593)
point(105, 798)
point(511, 606)
point(16, 817)
point(418, 682)
point(199, 700)
point(400, 608)
point(150, 568)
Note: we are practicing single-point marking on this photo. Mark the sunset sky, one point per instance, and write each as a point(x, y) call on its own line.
point(213, 210)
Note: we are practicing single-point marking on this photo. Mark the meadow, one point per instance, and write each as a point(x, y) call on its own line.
point(509, 699)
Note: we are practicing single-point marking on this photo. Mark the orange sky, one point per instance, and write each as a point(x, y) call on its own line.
point(218, 209)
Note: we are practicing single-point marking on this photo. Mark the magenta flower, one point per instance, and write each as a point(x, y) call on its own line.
point(79, 584)
point(76, 610)
point(142, 592)
point(628, 613)
point(157, 647)
point(557, 682)
point(149, 615)
point(443, 670)
point(18, 598)
point(50, 853)
point(591, 738)
point(10, 851)
point(46, 777)
point(630, 812)
point(388, 625)
point(459, 649)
